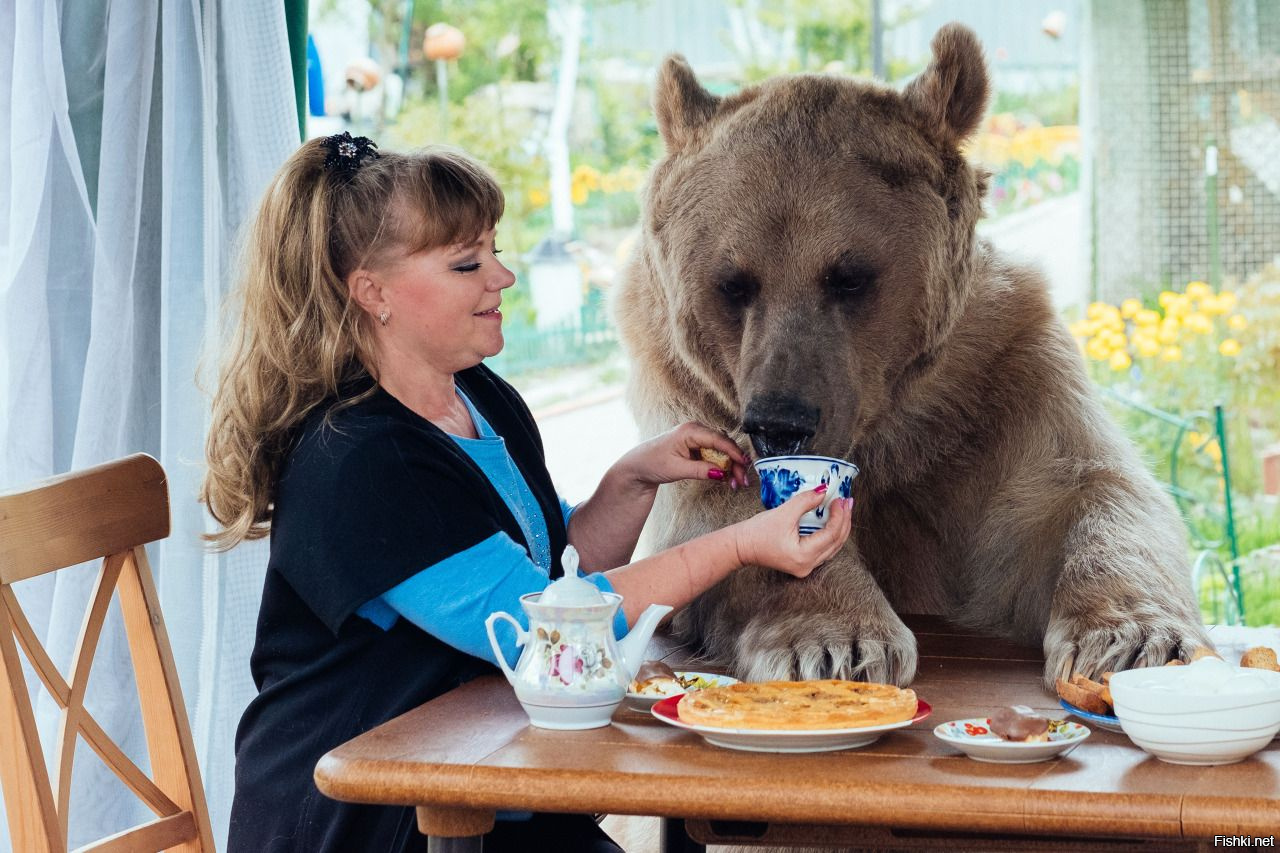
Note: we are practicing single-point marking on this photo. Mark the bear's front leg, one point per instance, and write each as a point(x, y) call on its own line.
point(1124, 597)
point(836, 623)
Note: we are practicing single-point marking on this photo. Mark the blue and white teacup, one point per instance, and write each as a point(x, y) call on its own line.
point(784, 476)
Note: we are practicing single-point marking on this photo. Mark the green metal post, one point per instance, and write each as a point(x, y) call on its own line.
point(1221, 428)
point(295, 16)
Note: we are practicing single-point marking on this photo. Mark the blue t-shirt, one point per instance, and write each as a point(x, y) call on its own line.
point(489, 576)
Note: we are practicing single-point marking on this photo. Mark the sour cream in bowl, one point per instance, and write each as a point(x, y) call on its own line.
point(1208, 712)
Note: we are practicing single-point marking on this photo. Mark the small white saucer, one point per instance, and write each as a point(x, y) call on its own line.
point(973, 737)
point(642, 702)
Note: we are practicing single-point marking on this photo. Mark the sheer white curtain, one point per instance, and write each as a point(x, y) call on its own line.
point(135, 138)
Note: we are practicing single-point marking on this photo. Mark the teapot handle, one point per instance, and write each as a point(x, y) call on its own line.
point(522, 636)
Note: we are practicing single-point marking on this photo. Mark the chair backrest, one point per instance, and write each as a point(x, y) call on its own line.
point(107, 512)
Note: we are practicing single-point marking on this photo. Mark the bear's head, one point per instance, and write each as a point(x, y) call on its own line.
point(810, 241)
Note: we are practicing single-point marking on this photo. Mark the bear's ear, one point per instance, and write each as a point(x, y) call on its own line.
point(951, 94)
point(681, 104)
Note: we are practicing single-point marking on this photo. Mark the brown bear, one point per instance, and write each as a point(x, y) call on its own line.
point(808, 279)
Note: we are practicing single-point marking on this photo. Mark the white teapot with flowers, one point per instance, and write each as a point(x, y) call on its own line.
point(572, 673)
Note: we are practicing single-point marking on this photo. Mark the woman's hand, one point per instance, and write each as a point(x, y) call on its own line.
point(673, 456)
point(772, 539)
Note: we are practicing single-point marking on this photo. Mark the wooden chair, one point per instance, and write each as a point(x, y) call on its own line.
point(107, 512)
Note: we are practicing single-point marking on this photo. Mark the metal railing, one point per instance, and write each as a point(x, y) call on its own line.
point(586, 339)
point(1212, 527)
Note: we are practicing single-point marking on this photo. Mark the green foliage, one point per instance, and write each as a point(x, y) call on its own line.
point(1047, 106)
point(628, 131)
point(484, 128)
point(814, 35)
point(485, 23)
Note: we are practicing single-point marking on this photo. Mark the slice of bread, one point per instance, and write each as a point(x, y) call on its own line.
point(1260, 657)
point(717, 458)
point(1082, 698)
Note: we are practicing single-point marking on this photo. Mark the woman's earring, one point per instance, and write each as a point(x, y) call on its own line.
point(384, 316)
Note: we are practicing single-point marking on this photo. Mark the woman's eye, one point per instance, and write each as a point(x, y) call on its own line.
point(467, 268)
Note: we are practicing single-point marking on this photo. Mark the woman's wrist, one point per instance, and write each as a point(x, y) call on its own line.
point(625, 480)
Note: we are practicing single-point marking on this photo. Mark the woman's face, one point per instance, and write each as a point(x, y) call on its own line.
point(443, 305)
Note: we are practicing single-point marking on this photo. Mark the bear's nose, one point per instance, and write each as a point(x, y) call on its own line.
point(780, 425)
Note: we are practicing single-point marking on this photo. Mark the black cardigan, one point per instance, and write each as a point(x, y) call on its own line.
point(366, 498)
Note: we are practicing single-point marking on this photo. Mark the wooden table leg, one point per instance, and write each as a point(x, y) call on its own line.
point(676, 840)
point(454, 830)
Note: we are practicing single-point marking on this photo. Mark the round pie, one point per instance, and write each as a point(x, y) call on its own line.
point(825, 704)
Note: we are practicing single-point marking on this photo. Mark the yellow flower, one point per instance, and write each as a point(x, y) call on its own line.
point(1227, 300)
point(1178, 306)
point(588, 176)
point(579, 193)
point(1120, 360)
point(1098, 310)
point(1167, 296)
point(1198, 290)
point(1230, 347)
point(1147, 347)
point(1199, 323)
point(1213, 306)
point(539, 197)
point(1146, 317)
point(1129, 308)
point(1173, 353)
point(1238, 322)
point(630, 178)
point(1116, 340)
point(1098, 349)
point(1081, 329)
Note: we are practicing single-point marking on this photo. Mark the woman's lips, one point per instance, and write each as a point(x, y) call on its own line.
point(492, 312)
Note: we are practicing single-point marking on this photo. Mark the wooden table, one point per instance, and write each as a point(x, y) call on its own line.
point(461, 757)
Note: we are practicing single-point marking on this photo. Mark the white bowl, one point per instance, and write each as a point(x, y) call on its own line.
point(1166, 713)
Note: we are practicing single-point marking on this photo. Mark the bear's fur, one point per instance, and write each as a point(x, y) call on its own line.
point(808, 279)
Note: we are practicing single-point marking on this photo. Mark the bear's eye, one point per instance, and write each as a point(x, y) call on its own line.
point(849, 280)
point(739, 287)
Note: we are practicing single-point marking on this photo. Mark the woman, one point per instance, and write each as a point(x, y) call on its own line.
point(403, 483)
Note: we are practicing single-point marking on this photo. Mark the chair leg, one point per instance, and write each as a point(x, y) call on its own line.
point(676, 840)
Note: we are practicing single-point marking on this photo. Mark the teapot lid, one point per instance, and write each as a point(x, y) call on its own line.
point(572, 590)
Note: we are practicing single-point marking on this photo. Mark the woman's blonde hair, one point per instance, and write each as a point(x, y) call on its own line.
point(300, 335)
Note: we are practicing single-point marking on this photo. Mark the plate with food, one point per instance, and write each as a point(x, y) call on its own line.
point(1089, 700)
point(1013, 735)
point(793, 716)
point(1107, 722)
point(655, 681)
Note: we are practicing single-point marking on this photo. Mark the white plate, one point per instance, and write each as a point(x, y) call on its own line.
point(784, 740)
point(643, 702)
point(1106, 722)
point(973, 737)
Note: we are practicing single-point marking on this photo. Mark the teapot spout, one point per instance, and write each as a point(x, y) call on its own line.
point(633, 645)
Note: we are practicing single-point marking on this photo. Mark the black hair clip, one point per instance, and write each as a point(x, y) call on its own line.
point(346, 152)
